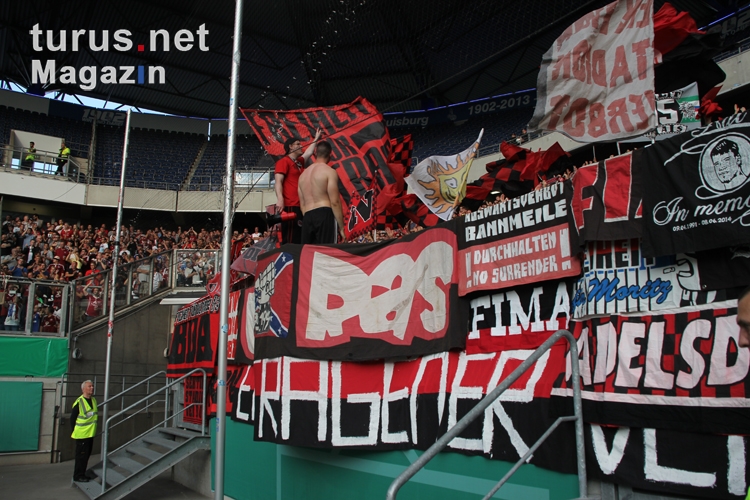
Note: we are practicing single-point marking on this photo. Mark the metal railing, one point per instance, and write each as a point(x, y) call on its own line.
point(55, 308)
point(39, 306)
point(161, 185)
point(125, 383)
point(44, 163)
point(254, 178)
point(194, 268)
point(163, 423)
point(135, 281)
point(489, 399)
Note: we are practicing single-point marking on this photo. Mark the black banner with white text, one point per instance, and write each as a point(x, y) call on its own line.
point(524, 240)
point(698, 194)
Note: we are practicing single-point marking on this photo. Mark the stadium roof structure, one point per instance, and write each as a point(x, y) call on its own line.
point(400, 55)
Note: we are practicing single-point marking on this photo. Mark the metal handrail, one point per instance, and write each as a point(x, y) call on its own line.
point(489, 399)
point(134, 386)
point(136, 413)
point(105, 438)
point(155, 426)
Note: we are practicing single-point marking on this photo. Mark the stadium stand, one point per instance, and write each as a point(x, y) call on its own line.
point(210, 172)
point(156, 159)
point(451, 138)
point(77, 134)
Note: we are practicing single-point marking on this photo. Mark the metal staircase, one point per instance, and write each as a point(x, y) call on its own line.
point(146, 456)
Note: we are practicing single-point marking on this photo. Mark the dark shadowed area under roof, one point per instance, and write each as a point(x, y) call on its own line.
point(298, 53)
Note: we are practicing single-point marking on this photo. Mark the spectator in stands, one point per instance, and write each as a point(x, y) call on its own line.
point(19, 271)
point(192, 275)
point(157, 279)
point(62, 158)
point(286, 173)
point(13, 317)
point(256, 235)
point(29, 158)
point(50, 321)
point(36, 318)
point(95, 302)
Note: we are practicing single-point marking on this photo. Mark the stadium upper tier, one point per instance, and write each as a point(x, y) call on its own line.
point(173, 161)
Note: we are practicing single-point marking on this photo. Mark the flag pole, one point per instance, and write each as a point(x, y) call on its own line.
point(226, 249)
point(113, 281)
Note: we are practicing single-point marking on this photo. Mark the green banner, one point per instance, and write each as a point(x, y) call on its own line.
point(33, 357)
point(20, 421)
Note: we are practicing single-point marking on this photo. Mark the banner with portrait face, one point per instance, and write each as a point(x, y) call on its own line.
point(698, 193)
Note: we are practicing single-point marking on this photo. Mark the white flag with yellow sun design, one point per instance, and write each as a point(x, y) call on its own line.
point(440, 181)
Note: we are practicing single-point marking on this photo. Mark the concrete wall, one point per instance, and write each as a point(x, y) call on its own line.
point(50, 396)
point(195, 472)
point(737, 69)
point(171, 123)
point(42, 188)
point(138, 346)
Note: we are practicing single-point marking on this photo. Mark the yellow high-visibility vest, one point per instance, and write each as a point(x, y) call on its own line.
point(87, 417)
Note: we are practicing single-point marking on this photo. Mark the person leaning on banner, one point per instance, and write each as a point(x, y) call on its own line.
point(319, 200)
point(62, 158)
point(83, 422)
point(287, 172)
point(29, 158)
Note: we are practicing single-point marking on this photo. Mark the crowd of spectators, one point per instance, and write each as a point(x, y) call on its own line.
point(52, 253)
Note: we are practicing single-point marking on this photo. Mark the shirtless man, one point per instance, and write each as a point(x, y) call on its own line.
point(319, 200)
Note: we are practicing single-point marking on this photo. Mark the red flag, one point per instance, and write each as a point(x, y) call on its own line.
point(361, 215)
point(360, 147)
point(516, 174)
point(671, 28)
point(411, 207)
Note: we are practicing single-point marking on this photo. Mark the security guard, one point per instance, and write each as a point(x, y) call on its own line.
point(62, 159)
point(83, 420)
point(30, 158)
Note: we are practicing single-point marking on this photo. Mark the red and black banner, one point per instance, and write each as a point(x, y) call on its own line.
point(361, 302)
point(410, 207)
point(605, 202)
point(360, 149)
point(524, 240)
point(247, 262)
point(407, 405)
point(401, 153)
point(698, 194)
point(195, 337)
point(522, 317)
point(241, 326)
point(233, 381)
point(517, 174)
point(682, 371)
